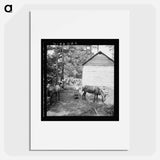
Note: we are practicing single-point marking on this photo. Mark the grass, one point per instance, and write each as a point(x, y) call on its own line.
point(69, 105)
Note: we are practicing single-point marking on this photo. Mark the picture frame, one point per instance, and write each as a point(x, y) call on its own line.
point(44, 43)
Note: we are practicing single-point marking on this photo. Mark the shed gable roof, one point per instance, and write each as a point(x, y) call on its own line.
point(99, 59)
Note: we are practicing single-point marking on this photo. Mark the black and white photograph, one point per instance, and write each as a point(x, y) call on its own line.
point(79, 81)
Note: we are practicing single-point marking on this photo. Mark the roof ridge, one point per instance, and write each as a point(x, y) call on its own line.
point(100, 52)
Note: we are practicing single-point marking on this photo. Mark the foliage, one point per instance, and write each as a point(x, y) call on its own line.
point(66, 61)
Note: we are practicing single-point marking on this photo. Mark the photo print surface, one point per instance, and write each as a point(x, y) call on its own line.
point(79, 79)
point(69, 54)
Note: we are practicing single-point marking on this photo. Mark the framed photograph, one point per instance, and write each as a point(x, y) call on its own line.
point(80, 79)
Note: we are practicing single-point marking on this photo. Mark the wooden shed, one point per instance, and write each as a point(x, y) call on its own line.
point(98, 71)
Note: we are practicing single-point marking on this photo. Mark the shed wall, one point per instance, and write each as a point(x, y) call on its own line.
point(98, 76)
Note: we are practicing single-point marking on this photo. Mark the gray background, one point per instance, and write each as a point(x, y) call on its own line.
point(142, 82)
